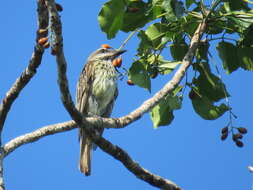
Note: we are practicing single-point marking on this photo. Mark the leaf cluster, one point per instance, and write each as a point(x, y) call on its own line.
point(165, 28)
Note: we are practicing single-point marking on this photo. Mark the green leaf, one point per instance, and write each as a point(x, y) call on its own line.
point(189, 3)
point(247, 37)
point(167, 66)
point(228, 54)
point(135, 16)
point(239, 22)
point(170, 35)
point(167, 6)
point(176, 91)
point(157, 2)
point(111, 16)
point(202, 52)
point(204, 69)
point(154, 9)
point(179, 8)
point(245, 55)
point(160, 64)
point(173, 8)
point(155, 64)
point(231, 5)
point(216, 27)
point(210, 85)
point(139, 76)
point(178, 50)
point(155, 33)
point(189, 24)
point(162, 114)
point(206, 109)
point(145, 44)
point(155, 12)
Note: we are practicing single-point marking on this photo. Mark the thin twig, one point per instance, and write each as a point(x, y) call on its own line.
point(23, 80)
point(56, 128)
point(105, 122)
point(247, 1)
point(105, 145)
point(128, 38)
point(20, 83)
point(29, 72)
point(37, 134)
point(115, 151)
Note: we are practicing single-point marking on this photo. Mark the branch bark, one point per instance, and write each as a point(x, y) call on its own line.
point(37, 134)
point(111, 149)
point(23, 80)
point(20, 83)
point(106, 146)
point(29, 72)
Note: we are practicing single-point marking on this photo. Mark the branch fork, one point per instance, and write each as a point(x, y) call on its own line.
point(47, 12)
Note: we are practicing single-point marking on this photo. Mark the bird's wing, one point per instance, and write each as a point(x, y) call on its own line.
point(82, 94)
point(83, 89)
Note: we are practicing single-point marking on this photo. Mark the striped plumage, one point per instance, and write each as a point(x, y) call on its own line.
point(96, 93)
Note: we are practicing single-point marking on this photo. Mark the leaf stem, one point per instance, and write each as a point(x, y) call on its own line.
point(195, 14)
point(247, 1)
point(128, 38)
point(231, 114)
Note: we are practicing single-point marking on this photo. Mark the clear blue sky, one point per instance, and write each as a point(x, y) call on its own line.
point(189, 151)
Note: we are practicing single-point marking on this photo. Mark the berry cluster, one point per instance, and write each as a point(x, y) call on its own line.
point(117, 62)
point(236, 137)
point(43, 32)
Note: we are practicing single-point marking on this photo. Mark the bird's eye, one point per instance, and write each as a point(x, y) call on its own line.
point(103, 50)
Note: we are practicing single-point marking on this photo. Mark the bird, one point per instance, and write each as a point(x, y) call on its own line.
point(96, 93)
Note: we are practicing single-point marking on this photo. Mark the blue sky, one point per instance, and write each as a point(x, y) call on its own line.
point(189, 151)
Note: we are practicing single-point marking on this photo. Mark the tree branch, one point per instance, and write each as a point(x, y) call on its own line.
point(113, 150)
point(106, 146)
point(29, 72)
point(23, 80)
point(37, 134)
point(169, 87)
point(19, 84)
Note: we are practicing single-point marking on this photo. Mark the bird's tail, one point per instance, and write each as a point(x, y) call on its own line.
point(85, 153)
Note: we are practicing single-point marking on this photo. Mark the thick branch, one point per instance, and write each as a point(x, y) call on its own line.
point(146, 106)
point(115, 151)
point(105, 145)
point(140, 172)
point(169, 87)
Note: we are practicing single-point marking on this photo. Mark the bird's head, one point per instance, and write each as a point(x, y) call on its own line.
point(105, 54)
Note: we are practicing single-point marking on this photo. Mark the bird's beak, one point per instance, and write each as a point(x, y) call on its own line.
point(116, 53)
